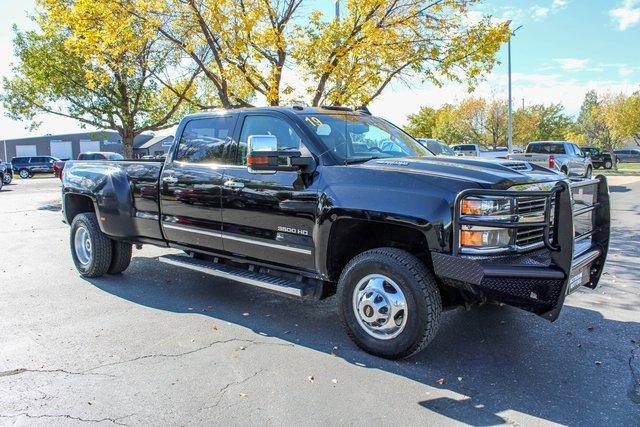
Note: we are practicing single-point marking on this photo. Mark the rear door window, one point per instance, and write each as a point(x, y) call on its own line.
point(207, 140)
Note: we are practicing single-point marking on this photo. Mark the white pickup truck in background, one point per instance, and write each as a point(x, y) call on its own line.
point(474, 150)
point(563, 156)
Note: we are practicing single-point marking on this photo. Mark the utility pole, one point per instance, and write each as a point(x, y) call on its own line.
point(510, 126)
point(337, 10)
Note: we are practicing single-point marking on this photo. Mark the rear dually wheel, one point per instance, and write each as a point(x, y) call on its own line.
point(90, 248)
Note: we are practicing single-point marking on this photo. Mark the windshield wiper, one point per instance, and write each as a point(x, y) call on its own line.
point(362, 159)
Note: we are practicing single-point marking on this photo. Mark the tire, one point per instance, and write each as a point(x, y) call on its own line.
point(120, 258)
point(7, 178)
point(96, 260)
point(24, 174)
point(423, 307)
point(588, 173)
point(608, 164)
point(1, 184)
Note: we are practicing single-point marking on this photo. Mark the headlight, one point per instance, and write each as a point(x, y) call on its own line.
point(487, 206)
point(486, 238)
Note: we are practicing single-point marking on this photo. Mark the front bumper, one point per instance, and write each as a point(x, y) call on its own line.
point(538, 281)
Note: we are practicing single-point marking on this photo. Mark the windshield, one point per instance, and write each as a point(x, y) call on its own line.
point(353, 138)
point(438, 147)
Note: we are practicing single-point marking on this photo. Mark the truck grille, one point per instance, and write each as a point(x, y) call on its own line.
point(531, 209)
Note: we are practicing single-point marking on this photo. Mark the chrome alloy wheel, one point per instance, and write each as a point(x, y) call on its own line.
point(82, 246)
point(380, 306)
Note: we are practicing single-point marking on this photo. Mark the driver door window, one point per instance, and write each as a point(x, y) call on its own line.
point(288, 138)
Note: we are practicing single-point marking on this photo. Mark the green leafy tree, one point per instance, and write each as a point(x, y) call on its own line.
point(593, 124)
point(448, 127)
point(422, 123)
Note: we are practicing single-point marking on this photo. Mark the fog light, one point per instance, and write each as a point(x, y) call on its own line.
point(485, 238)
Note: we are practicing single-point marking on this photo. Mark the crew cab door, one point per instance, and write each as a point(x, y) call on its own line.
point(191, 182)
point(269, 216)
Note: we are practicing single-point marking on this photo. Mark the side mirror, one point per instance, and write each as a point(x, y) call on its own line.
point(263, 156)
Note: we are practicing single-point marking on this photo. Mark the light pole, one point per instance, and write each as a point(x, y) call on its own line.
point(510, 125)
point(337, 10)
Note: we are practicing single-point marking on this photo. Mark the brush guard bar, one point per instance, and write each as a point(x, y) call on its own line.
point(537, 280)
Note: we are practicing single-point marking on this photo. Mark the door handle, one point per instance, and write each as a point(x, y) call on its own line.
point(233, 184)
point(170, 179)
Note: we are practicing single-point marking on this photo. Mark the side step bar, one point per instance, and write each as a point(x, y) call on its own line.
point(272, 283)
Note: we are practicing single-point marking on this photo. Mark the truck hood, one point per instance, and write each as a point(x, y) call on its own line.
point(499, 174)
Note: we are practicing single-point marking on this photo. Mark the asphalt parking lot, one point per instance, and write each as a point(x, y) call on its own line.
point(158, 345)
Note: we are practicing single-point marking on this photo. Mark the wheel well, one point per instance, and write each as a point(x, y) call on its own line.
point(75, 204)
point(350, 237)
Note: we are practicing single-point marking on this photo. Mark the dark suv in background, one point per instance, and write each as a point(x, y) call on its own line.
point(7, 172)
point(29, 166)
point(599, 159)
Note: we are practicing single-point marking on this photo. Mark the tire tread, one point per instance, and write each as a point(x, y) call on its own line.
point(121, 257)
point(102, 251)
point(423, 279)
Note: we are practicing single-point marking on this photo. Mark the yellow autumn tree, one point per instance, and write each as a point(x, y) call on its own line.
point(243, 47)
point(93, 61)
point(352, 60)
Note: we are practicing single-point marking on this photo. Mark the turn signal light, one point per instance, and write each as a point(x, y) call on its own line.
point(257, 160)
point(471, 238)
point(471, 207)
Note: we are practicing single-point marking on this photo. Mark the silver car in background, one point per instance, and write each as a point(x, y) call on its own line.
point(563, 156)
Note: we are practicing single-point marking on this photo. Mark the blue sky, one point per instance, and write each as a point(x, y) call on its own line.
point(565, 48)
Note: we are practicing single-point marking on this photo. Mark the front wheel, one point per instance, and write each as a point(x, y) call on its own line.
point(7, 178)
point(90, 247)
point(608, 164)
point(389, 303)
point(24, 174)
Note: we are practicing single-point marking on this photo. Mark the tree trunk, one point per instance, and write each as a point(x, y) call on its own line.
point(127, 143)
point(614, 161)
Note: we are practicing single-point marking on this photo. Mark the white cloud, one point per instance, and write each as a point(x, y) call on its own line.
point(572, 64)
point(539, 12)
point(627, 15)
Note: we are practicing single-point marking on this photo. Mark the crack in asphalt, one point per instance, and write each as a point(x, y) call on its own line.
point(634, 366)
point(45, 371)
point(70, 417)
point(205, 347)
point(220, 394)
point(20, 371)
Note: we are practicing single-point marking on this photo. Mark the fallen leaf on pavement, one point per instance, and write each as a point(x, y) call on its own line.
point(440, 381)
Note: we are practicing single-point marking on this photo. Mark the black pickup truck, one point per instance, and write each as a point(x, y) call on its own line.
point(311, 202)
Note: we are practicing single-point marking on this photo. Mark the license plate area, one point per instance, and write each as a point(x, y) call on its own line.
point(578, 278)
